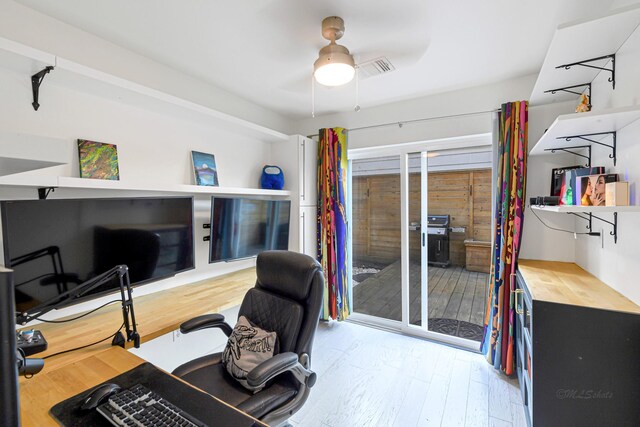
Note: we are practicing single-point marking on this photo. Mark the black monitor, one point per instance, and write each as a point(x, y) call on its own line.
point(244, 227)
point(54, 245)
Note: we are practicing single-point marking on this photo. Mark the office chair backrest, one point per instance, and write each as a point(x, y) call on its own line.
point(286, 299)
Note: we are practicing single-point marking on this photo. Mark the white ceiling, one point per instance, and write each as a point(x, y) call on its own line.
point(263, 50)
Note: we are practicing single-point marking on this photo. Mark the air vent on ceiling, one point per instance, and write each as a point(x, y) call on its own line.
point(375, 67)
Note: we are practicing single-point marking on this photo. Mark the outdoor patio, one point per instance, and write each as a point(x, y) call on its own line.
point(456, 300)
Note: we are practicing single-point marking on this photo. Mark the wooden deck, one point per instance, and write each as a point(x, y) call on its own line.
point(454, 293)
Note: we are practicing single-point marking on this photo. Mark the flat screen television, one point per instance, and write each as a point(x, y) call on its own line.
point(244, 227)
point(54, 245)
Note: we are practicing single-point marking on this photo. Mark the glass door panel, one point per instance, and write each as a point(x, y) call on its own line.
point(376, 237)
point(459, 195)
point(417, 163)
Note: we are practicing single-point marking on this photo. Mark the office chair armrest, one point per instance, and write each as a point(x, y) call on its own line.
point(278, 364)
point(206, 321)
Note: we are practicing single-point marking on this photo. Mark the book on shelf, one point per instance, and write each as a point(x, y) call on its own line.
point(592, 189)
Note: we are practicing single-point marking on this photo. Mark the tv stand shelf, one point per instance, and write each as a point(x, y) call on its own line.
point(97, 184)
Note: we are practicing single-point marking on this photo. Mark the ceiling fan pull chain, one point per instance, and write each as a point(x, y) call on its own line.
point(357, 107)
point(313, 97)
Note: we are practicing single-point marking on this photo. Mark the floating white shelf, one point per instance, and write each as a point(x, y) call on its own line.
point(584, 123)
point(24, 59)
point(593, 212)
point(22, 153)
point(587, 209)
point(579, 41)
point(98, 184)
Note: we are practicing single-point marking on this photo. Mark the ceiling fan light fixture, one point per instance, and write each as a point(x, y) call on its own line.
point(334, 66)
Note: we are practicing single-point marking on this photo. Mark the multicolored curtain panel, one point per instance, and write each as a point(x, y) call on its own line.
point(332, 222)
point(499, 323)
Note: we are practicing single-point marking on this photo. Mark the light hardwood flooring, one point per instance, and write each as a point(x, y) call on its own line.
point(369, 377)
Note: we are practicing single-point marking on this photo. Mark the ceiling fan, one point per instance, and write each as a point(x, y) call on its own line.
point(335, 65)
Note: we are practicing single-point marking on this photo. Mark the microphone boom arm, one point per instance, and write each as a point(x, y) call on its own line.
point(122, 272)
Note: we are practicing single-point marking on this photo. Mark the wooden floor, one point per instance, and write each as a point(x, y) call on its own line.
point(454, 293)
point(369, 377)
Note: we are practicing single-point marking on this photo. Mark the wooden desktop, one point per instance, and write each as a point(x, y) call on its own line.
point(68, 374)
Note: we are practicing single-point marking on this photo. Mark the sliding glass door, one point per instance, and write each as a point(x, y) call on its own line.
point(412, 224)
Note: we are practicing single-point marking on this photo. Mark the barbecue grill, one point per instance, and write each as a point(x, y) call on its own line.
point(438, 240)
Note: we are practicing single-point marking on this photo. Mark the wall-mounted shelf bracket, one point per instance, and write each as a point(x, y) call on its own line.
point(585, 63)
point(613, 224)
point(43, 193)
point(589, 220)
point(576, 147)
point(584, 138)
point(36, 81)
point(568, 89)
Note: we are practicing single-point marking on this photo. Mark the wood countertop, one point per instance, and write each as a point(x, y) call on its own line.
point(567, 283)
point(43, 391)
point(156, 314)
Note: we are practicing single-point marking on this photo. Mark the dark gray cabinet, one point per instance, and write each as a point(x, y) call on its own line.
point(577, 365)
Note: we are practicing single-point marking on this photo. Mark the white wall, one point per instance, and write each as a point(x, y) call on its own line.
point(618, 264)
point(151, 148)
point(538, 241)
point(27, 26)
point(481, 98)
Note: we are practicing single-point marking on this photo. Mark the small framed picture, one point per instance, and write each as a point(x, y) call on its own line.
point(204, 169)
point(98, 160)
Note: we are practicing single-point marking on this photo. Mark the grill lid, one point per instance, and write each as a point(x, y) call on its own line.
point(438, 220)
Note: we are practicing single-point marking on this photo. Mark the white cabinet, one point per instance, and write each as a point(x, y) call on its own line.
point(308, 174)
point(308, 231)
point(299, 161)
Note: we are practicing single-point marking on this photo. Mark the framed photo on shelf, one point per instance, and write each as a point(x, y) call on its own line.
point(98, 160)
point(204, 169)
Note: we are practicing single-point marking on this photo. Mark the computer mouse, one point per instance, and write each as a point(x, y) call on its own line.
point(98, 396)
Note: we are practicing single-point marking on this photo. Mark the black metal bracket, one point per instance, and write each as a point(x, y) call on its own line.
point(584, 138)
point(206, 238)
point(36, 81)
point(576, 147)
point(567, 89)
point(613, 224)
point(206, 225)
point(585, 63)
point(43, 192)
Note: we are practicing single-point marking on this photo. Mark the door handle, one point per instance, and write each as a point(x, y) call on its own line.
point(304, 237)
point(304, 171)
point(516, 293)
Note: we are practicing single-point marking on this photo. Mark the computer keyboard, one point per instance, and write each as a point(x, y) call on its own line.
point(139, 406)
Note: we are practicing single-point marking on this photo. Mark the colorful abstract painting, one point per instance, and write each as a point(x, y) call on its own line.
point(332, 222)
point(98, 160)
point(204, 169)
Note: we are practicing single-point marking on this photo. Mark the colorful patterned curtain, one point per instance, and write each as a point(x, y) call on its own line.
point(332, 222)
point(499, 323)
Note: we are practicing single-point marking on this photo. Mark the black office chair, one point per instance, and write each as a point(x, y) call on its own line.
point(286, 299)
